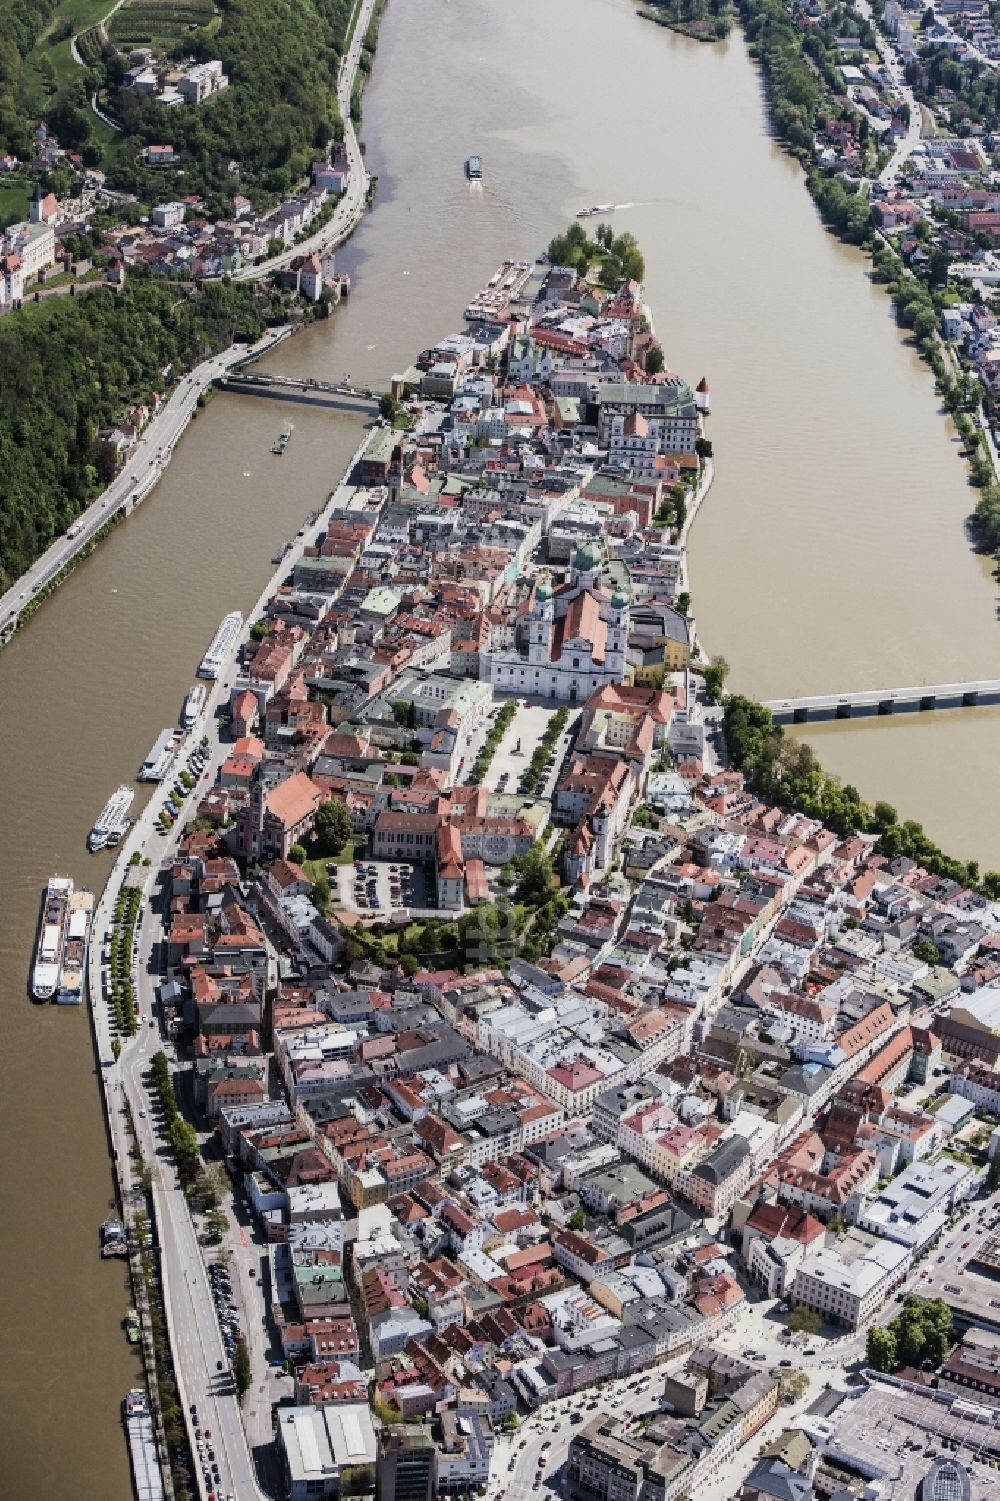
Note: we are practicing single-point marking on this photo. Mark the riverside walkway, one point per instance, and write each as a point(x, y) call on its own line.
point(880, 701)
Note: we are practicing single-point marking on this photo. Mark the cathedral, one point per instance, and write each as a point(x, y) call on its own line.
point(572, 639)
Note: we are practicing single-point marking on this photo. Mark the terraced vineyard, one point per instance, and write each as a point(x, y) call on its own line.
point(158, 23)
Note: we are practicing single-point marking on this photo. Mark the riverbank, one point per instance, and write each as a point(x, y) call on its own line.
point(147, 461)
point(713, 24)
point(74, 472)
point(122, 1059)
point(354, 200)
point(852, 180)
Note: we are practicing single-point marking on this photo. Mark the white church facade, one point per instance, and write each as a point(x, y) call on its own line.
point(572, 639)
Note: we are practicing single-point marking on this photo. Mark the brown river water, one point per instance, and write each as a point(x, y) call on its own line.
point(830, 553)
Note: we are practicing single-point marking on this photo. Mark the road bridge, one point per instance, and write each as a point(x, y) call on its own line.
point(340, 395)
point(873, 702)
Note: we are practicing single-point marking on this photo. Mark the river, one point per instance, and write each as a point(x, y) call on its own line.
point(830, 552)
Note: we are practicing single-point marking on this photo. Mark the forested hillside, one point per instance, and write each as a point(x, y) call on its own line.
point(280, 109)
point(71, 366)
point(21, 22)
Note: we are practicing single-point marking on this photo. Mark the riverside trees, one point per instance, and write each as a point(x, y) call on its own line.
point(69, 367)
point(787, 771)
point(617, 256)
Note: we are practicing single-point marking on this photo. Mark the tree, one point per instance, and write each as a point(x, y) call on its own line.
point(715, 678)
point(297, 853)
point(242, 1370)
point(927, 951)
point(409, 964)
point(388, 407)
point(881, 1349)
point(512, 1422)
point(536, 875)
point(925, 323)
point(184, 1145)
point(259, 630)
point(804, 1320)
point(216, 1223)
point(654, 361)
point(923, 1331)
point(884, 815)
point(321, 896)
point(405, 714)
point(577, 1219)
point(684, 602)
point(333, 827)
point(792, 1385)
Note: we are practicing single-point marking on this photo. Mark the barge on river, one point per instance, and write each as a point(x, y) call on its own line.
point(74, 959)
point(52, 927)
point(142, 1446)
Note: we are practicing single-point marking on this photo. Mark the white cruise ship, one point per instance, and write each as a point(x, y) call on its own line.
point(221, 645)
point(51, 937)
point(112, 823)
point(74, 959)
point(193, 705)
point(155, 766)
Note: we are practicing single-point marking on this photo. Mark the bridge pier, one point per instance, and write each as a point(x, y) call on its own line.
point(886, 706)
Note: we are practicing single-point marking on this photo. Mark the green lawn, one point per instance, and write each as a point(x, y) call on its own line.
point(14, 199)
point(316, 869)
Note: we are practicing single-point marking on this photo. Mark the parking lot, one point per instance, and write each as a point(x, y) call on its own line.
point(899, 1432)
point(379, 888)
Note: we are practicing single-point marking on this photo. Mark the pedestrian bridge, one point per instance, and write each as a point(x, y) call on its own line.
point(871, 702)
point(340, 395)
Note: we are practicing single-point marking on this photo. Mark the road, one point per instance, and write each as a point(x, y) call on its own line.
point(146, 463)
point(153, 450)
point(195, 1338)
point(904, 147)
point(352, 205)
point(74, 50)
point(551, 1430)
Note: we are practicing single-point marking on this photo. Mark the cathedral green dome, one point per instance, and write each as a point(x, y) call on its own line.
point(588, 558)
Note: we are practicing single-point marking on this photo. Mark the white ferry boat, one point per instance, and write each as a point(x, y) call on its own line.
point(112, 823)
point(154, 768)
point(193, 705)
point(74, 959)
point(51, 937)
point(595, 208)
point(221, 645)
